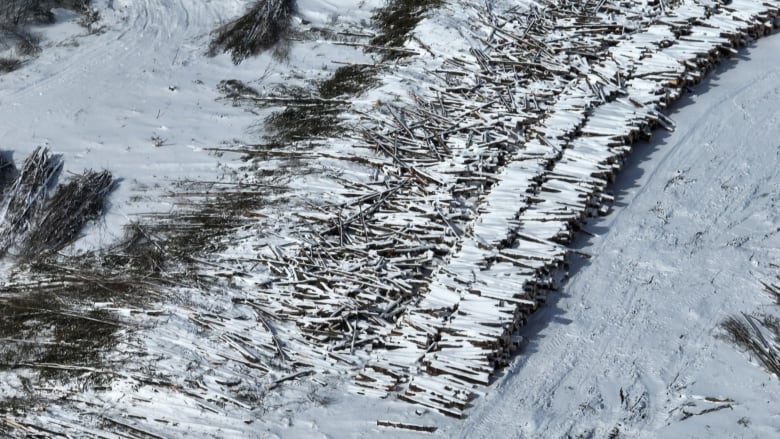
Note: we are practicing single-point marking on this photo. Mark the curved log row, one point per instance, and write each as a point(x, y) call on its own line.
point(434, 254)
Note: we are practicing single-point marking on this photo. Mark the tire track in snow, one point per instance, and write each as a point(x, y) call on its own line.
point(132, 27)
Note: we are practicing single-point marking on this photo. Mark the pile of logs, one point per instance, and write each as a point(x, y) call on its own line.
point(424, 272)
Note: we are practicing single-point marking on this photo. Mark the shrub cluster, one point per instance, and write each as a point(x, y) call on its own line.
point(259, 29)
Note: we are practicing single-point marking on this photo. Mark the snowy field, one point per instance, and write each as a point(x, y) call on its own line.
point(387, 281)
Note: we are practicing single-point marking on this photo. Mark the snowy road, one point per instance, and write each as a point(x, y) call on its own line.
point(631, 339)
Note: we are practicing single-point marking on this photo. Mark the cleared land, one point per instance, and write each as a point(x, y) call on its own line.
point(395, 222)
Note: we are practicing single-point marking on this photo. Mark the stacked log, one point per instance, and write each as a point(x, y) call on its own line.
point(425, 274)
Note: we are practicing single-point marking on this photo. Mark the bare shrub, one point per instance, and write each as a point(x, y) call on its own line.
point(73, 338)
point(8, 172)
point(17, 13)
point(305, 114)
point(71, 207)
point(76, 5)
point(237, 90)
point(350, 80)
point(34, 224)
point(27, 43)
point(397, 20)
point(773, 290)
point(260, 28)
point(9, 64)
point(306, 121)
point(759, 336)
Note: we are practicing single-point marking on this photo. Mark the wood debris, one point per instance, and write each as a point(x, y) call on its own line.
point(432, 268)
